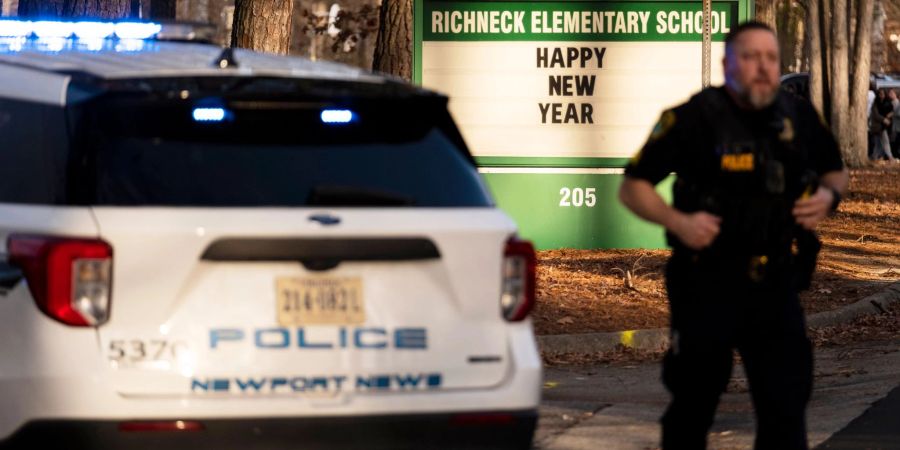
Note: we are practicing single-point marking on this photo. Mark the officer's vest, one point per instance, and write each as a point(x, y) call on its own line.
point(750, 177)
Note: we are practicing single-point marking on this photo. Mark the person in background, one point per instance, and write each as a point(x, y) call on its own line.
point(882, 113)
point(870, 100)
point(895, 123)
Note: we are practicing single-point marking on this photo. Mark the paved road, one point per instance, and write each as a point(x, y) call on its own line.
point(617, 407)
point(877, 428)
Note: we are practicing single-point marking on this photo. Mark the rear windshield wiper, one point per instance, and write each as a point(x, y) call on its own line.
point(333, 195)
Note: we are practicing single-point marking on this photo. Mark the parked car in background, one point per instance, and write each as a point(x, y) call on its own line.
point(798, 82)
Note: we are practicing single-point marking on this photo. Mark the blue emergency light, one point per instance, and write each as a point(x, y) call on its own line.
point(86, 30)
point(337, 116)
point(209, 114)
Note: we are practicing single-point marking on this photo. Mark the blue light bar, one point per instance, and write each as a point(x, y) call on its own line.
point(80, 30)
point(14, 28)
point(137, 30)
point(337, 116)
point(93, 30)
point(209, 114)
point(48, 29)
point(53, 44)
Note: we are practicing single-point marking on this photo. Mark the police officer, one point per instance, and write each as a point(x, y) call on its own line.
point(756, 171)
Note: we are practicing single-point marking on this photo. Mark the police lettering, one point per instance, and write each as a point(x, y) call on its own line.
point(320, 338)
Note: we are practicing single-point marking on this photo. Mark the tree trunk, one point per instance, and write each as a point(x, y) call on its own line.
point(766, 12)
point(10, 8)
point(393, 48)
point(38, 8)
point(162, 9)
point(194, 11)
point(825, 31)
point(879, 46)
point(263, 25)
point(839, 72)
point(791, 36)
point(100, 9)
point(814, 52)
point(858, 155)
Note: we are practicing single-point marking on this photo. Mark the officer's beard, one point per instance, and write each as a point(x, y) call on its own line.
point(754, 98)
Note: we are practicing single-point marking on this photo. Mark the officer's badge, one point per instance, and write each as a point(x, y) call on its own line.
point(665, 123)
point(787, 131)
point(737, 162)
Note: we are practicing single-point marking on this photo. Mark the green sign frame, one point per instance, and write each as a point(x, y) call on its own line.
point(533, 189)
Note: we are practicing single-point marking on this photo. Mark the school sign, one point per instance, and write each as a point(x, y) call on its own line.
point(554, 97)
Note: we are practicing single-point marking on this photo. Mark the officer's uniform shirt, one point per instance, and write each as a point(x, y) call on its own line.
point(715, 146)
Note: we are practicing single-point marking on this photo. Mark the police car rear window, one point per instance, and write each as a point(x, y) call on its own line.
point(427, 173)
point(259, 153)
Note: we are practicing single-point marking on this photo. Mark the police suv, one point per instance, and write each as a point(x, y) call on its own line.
point(207, 247)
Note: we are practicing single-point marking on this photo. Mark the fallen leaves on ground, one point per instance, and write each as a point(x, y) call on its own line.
point(878, 327)
point(875, 327)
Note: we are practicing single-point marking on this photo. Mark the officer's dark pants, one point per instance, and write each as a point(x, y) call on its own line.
point(712, 314)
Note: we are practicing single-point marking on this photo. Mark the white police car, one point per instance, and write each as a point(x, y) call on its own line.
point(202, 247)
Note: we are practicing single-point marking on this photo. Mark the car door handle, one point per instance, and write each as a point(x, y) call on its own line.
point(9, 276)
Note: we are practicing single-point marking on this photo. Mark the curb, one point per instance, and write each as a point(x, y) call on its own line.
point(657, 339)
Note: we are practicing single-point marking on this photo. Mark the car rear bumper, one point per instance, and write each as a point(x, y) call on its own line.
point(483, 430)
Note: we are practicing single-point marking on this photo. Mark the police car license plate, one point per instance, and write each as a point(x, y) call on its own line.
point(319, 300)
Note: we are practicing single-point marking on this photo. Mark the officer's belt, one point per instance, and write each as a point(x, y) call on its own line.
point(755, 268)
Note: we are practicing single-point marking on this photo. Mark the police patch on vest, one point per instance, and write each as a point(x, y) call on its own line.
point(665, 123)
point(737, 162)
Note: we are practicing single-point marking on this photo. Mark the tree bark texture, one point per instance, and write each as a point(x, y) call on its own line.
point(766, 12)
point(827, 53)
point(879, 45)
point(858, 154)
point(35, 8)
point(393, 48)
point(9, 7)
point(263, 25)
point(193, 11)
point(839, 72)
point(100, 9)
point(814, 53)
point(162, 9)
point(851, 22)
point(791, 35)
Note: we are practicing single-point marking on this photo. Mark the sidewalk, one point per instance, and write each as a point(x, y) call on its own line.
point(658, 339)
point(618, 407)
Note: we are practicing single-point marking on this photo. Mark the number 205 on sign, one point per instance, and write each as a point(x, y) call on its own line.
point(578, 197)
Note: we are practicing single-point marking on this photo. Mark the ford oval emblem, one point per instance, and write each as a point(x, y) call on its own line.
point(325, 219)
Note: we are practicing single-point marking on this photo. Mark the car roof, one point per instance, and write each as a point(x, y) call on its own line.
point(40, 70)
point(115, 59)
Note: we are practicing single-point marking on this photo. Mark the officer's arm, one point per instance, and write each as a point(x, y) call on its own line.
point(810, 211)
point(695, 230)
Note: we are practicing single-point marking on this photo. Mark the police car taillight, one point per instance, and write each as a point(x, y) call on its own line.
point(70, 279)
point(517, 296)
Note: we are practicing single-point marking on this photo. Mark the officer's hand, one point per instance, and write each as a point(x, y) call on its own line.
point(697, 230)
point(810, 211)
